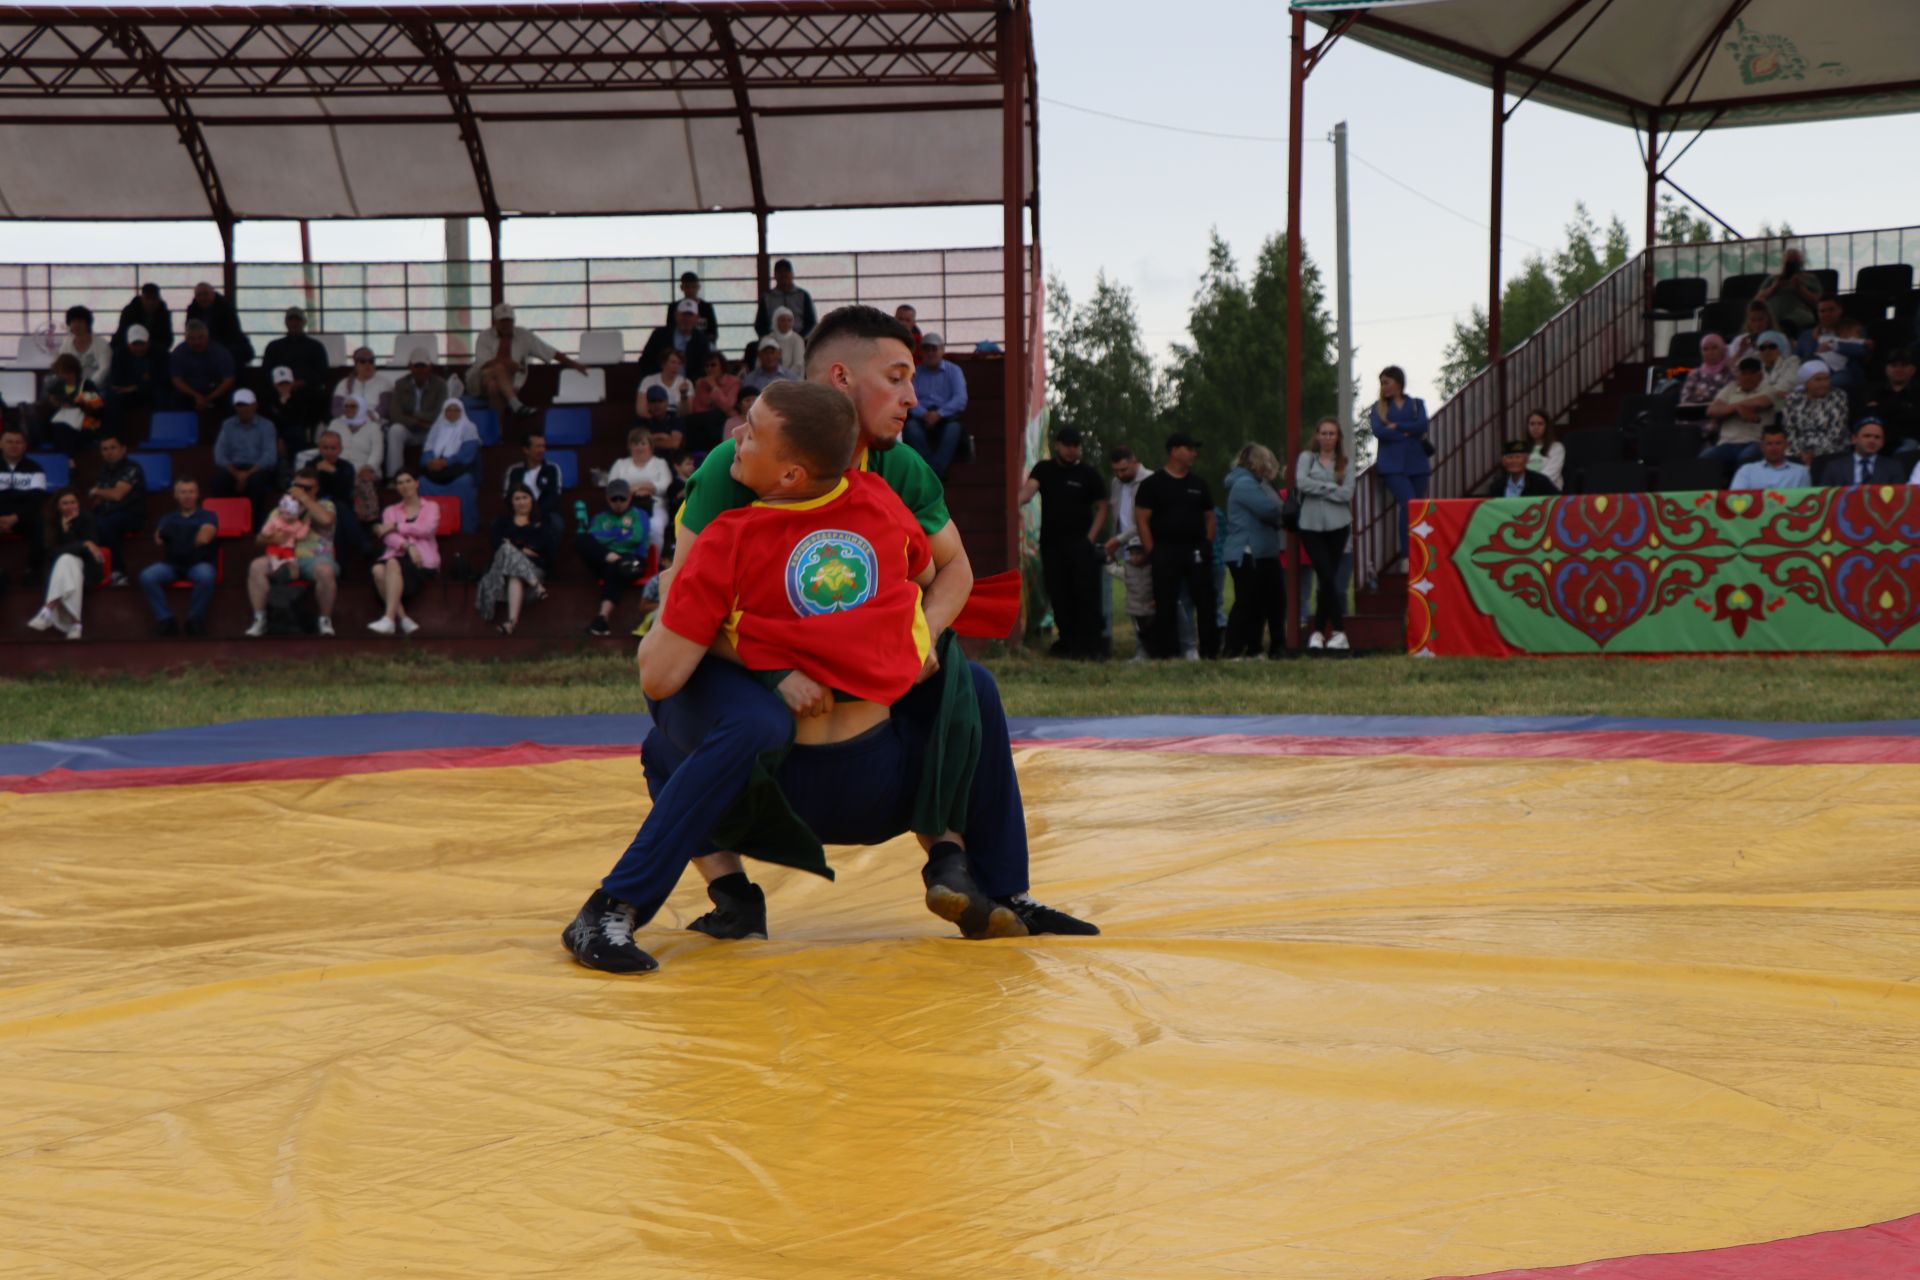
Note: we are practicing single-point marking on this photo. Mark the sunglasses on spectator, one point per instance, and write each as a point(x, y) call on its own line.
point(363, 359)
point(622, 500)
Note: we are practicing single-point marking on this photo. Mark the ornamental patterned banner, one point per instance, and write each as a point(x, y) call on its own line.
point(1768, 571)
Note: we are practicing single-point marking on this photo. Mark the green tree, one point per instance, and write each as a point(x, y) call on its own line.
point(1541, 291)
point(1228, 384)
point(1099, 377)
point(1676, 224)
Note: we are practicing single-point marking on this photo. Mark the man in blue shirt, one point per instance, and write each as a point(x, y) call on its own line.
point(246, 453)
point(934, 429)
point(1774, 470)
point(202, 371)
point(185, 538)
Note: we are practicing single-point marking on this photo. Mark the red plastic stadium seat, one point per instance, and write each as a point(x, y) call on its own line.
point(235, 516)
point(449, 511)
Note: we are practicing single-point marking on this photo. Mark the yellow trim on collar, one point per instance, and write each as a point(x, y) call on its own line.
point(809, 504)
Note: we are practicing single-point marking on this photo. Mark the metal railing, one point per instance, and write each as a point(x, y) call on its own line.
point(1843, 252)
point(955, 291)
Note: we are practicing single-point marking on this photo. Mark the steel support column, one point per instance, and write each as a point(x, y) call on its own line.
point(749, 137)
point(1011, 39)
point(426, 37)
point(1652, 230)
point(1496, 354)
point(1290, 427)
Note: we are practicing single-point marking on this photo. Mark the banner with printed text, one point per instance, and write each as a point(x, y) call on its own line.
point(1775, 571)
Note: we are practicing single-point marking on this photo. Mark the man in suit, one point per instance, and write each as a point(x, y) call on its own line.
point(1864, 463)
point(1514, 480)
point(684, 335)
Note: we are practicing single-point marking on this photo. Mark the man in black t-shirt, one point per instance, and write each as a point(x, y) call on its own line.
point(1073, 511)
point(119, 501)
point(1174, 512)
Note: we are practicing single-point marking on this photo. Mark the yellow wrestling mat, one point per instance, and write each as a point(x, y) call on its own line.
point(1393, 1017)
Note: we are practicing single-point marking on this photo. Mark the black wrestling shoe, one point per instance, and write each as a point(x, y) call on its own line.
point(601, 937)
point(737, 913)
point(1039, 918)
point(952, 895)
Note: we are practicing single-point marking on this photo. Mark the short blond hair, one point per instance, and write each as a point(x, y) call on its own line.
point(1258, 459)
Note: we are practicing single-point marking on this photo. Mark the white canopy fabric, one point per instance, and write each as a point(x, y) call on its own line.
point(282, 110)
point(1694, 62)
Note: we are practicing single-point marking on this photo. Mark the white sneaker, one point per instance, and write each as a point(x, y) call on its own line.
point(382, 626)
point(1191, 655)
point(1316, 641)
point(73, 632)
point(1338, 641)
point(258, 627)
point(326, 627)
point(408, 626)
point(42, 621)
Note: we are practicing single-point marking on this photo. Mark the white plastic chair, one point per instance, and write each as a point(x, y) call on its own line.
point(18, 387)
point(404, 343)
point(336, 345)
point(581, 387)
point(32, 353)
point(603, 347)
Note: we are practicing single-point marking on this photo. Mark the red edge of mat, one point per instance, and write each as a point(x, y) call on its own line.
point(1669, 747)
point(1886, 1251)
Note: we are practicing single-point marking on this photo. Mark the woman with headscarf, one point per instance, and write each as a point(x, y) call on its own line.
point(1815, 414)
point(362, 447)
point(793, 347)
point(1780, 368)
point(448, 458)
point(1704, 383)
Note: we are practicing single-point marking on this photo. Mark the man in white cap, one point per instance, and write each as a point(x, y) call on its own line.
point(685, 335)
point(295, 414)
point(767, 368)
point(934, 429)
point(417, 401)
point(134, 378)
point(244, 456)
point(500, 357)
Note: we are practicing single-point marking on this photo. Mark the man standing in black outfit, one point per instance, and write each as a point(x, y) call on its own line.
point(1073, 511)
point(1174, 512)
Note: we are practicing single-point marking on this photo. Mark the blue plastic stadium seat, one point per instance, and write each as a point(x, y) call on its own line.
point(174, 429)
point(158, 468)
point(569, 426)
point(488, 424)
point(569, 463)
point(58, 470)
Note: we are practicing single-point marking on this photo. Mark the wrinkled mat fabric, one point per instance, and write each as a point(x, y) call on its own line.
point(1366, 1017)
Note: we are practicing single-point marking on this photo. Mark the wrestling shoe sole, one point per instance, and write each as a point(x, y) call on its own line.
point(976, 915)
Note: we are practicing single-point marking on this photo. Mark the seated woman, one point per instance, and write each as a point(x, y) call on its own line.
point(77, 565)
point(67, 415)
point(94, 353)
point(449, 459)
point(648, 478)
point(1705, 382)
point(672, 379)
point(408, 530)
point(522, 559)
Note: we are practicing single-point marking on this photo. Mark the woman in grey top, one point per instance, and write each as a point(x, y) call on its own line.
point(1325, 479)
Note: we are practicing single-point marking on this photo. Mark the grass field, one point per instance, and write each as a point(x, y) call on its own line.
point(68, 706)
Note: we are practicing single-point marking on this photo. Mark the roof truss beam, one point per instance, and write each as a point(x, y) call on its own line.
point(426, 36)
point(749, 137)
point(160, 82)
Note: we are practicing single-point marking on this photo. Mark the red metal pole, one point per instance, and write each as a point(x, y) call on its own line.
point(1652, 229)
point(1296, 102)
point(1496, 354)
point(1013, 195)
point(306, 265)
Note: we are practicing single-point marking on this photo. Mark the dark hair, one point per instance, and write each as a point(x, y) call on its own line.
point(151, 289)
point(1120, 453)
point(854, 324)
point(689, 275)
point(186, 479)
point(1750, 364)
point(12, 429)
point(1548, 436)
point(818, 427)
point(531, 436)
point(308, 472)
point(785, 264)
point(1834, 298)
point(404, 471)
point(1398, 374)
point(53, 512)
point(1757, 305)
point(79, 313)
point(65, 361)
point(1773, 429)
point(1339, 446)
point(712, 355)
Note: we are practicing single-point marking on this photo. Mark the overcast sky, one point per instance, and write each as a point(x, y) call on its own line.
point(1137, 202)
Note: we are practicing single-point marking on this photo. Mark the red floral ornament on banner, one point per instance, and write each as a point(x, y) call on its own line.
point(1739, 606)
point(1812, 551)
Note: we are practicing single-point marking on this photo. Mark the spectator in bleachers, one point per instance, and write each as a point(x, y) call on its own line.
point(542, 479)
point(94, 353)
point(690, 292)
point(1325, 480)
point(136, 380)
point(1547, 456)
point(1747, 341)
point(684, 337)
point(341, 484)
point(1773, 469)
point(23, 497)
point(793, 347)
point(408, 532)
point(150, 311)
point(305, 355)
point(500, 357)
point(364, 382)
point(450, 461)
point(908, 316)
point(1515, 479)
point(1839, 342)
point(656, 410)
point(1895, 400)
point(738, 418)
point(1790, 292)
point(77, 565)
point(1704, 383)
point(522, 559)
point(415, 401)
point(185, 537)
point(245, 453)
point(672, 379)
point(934, 428)
point(67, 414)
point(216, 312)
point(119, 499)
point(785, 293)
point(297, 540)
point(1742, 410)
point(1865, 463)
point(715, 394)
point(293, 416)
point(202, 373)
point(613, 547)
point(647, 477)
point(1779, 369)
point(362, 442)
point(767, 369)
point(1815, 415)
point(1252, 553)
point(1073, 511)
point(1404, 463)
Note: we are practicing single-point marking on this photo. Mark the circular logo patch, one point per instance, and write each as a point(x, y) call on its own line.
point(829, 572)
